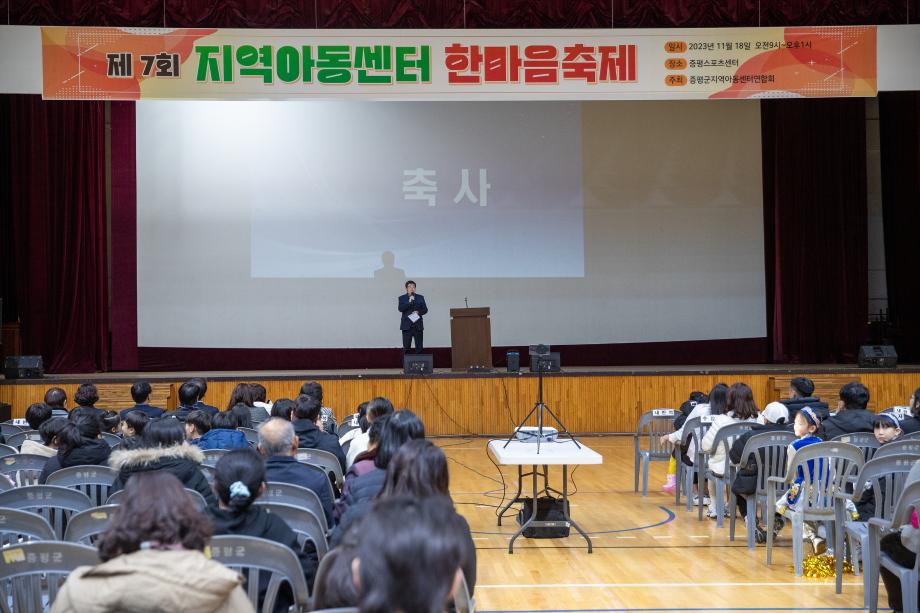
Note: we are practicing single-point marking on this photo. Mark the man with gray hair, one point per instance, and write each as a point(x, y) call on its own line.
point(278, 445)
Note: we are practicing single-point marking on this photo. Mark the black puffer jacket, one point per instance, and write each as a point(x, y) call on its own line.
point(848, 421)
point(183, 461)
point(92, 452)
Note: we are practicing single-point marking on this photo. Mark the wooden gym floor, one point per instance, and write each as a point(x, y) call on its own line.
point(648, 555)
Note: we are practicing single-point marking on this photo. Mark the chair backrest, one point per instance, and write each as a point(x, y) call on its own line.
point(827, 467)
point(211, 456)
point(287, 493)
point(249, 555)
point(6, 450)
point(86, 525)
point(909, 500)
point(694, 430)
point(898, 448)
point(53, 502)
point(252, 436)
point(208, 472)
point(866, 442)
point(197, 498)
point(652, 426)
point(94, 481)
point(345, 428)
point(325, 460)
point(304, 522)
point(913, 436)
point(112, 439)
point(18, 526)
point(23, 468)
point(32, 573)
point(769, 452)
point(726, 436)
point(9, 429)
point(16, 440)
point(886, 476)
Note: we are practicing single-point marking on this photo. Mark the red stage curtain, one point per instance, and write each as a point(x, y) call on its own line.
point(56, 207)
point(815, 227)
point(899, 124)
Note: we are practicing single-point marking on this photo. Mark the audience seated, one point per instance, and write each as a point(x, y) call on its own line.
point(111, 422)
point(377, 407)
point(162, 447)
point(140, 392)
point(78, 444)
point(306, 425)
point(153, 560)
point(239, 480)
point(202, 384)
point(278, 445)
point(887, 429)
point(336, 588)
point(397, 429)
point(222, 433)
point(912, 424)
point(188, 402)
point(409, 556)
point(240, 404)
point(283, 408)
point(37, 414)
point(801, 390)
point(132, 427)
point(49, 430)
point(86, 398)
point(56, 398)
point(852, 415)
point(197, 424)
point(315, 390)
point(260, 401)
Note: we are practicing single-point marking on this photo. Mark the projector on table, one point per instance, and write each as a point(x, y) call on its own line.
point(531, 434)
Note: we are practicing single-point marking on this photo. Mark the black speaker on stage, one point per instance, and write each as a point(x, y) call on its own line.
point(23, 367)
point(514, 361)
point(418, 364)
point(546, 363)
point(877, 356)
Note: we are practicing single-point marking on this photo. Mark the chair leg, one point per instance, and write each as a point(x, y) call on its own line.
point(720, 503)
point(798, 553)
point(908, 591)
point(733, 505)
point(769, 522)
point(689, 472)
point(645, 462)
point(751, 520)
point(636, 460)
point(867, 561)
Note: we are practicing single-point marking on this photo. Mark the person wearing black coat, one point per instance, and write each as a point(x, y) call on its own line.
point(78, 445)
point(852, 415)
point(801, 389)
point(163, 447)
point(239, 479)
point(311, 436)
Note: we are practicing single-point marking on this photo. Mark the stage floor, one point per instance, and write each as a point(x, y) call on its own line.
point(649, 555)
point(390, 373)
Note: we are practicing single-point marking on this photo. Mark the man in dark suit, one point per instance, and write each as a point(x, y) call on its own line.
point(412, 306)
point(140, 392)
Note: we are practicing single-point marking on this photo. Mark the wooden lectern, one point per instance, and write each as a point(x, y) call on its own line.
point(470, 338)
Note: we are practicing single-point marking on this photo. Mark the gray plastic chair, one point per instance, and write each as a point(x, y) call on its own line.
point(768, 452)
point(23, 468)
point(651, 427)
point(693, 430)
point(94, 481)
point(32, 573)
point(250, 555)
point(346, 427)
point(866, 442)
point(295, 495)
point(909, 577)
point(886, 476)
point(252, 435)
point(211, 456)
point(112, 439)
point(304, 522)
point(197, 498)
point(835, 466)
point(17, 526)
point(6, 450)
point(898, 448)
point(325, 460)
point(53, 502)
point(725, 437)
point(913, 436)
point(16, 440)
point(86, 525)
point(208, 472)
point(7, 429)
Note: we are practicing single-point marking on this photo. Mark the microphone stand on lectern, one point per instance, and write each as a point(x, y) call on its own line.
point(539, 407)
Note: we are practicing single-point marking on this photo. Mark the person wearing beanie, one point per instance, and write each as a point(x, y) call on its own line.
point(806, 427)
point(801, 394)
point(887, 429)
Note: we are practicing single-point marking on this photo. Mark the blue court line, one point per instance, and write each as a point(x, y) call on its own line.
point(667, 520)
point(641, 609)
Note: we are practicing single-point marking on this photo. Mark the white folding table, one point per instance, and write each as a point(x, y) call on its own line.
point(562, 453)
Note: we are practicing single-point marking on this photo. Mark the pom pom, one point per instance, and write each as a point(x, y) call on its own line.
point(822, 567)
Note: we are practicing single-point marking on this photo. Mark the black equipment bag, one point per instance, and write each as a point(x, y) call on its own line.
point(548, 509)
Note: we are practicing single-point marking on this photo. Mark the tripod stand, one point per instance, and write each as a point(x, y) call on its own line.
point(539, 407)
